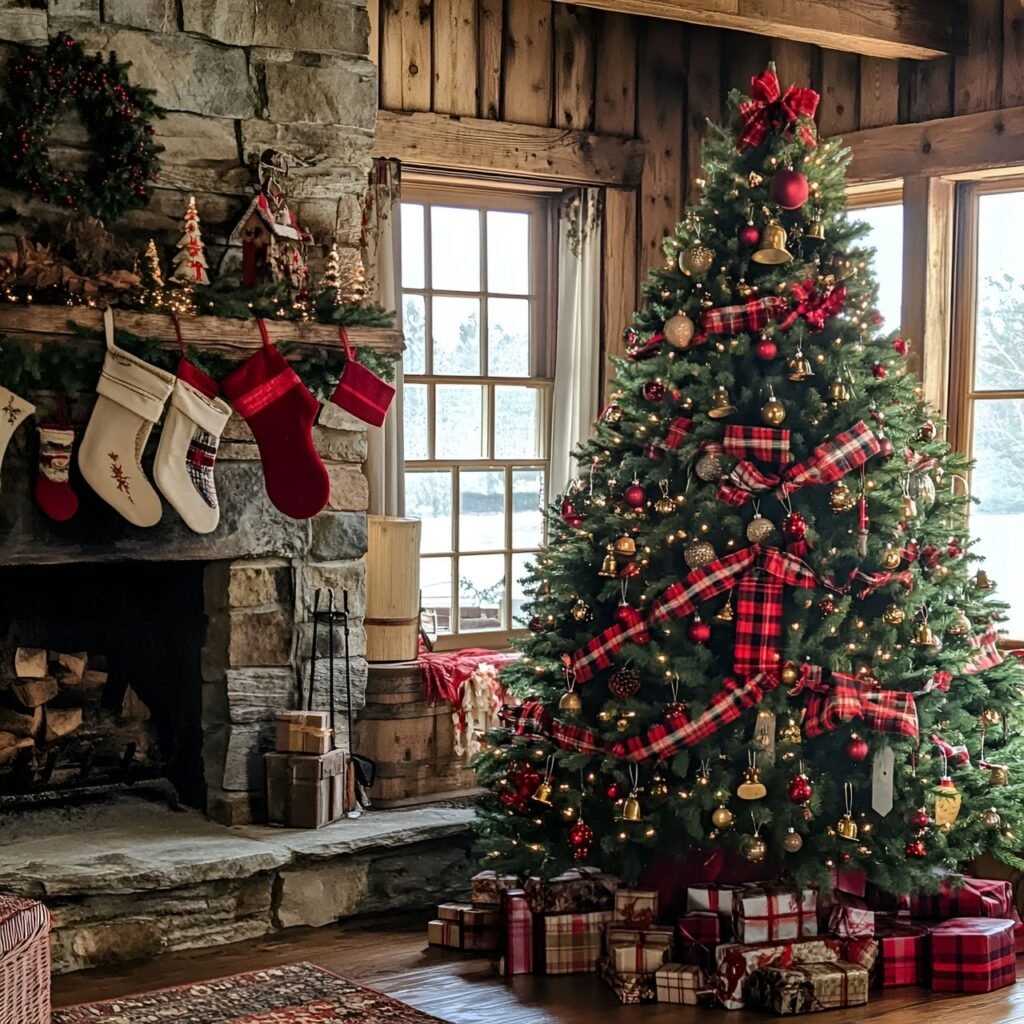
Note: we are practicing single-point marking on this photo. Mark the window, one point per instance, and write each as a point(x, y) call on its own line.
point(884, 215)
point(987, 413)
point(478, 379)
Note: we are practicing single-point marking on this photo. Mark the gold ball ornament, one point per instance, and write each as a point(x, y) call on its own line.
point(570, 702)
point(990, 819)
point(792, 841)
point(710, 466)
point(569, 813)
point(842, 499)
point(754, 849)
point(722, 817)
point(773, 412)
point(581, 611)
point(789, 674)
point(759, 529)
point(696, 260)
point(698, 555)
point(679, 330)
point(893, 615)
point(891, 558)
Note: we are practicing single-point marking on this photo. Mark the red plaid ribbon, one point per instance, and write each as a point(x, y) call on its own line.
point(678, 428)
point(751, 316)
point(766, 444)
point(868, 583)
point(986, 648)
point(841, 699)
point(815, 307)
point(768, 108)
point(829, 462)
point(958, 757)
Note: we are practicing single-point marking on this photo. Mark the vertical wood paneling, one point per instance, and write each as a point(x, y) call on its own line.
point(796, 63)
point(373, 42)
point(618, 297)
point(926, 89)
point(528, 63)
point(405, 66)
point(978, 74)
point(490, 22)
point(615, 98)
point(703, 98)
point(879, 92)
point(1013, 54)
point(661, 101)
point(743, 56)
point(574, 67)
point(455, 46)
point(840, 88)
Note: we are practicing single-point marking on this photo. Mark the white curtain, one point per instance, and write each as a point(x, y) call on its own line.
point(381, 245)
point(578, 329)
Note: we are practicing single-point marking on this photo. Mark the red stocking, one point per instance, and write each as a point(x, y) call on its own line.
point(279, 409)
point(52, 491)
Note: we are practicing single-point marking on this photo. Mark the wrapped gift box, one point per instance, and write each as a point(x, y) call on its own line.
point(518, 933)
point(976, 897)
point(805, 988)
point(709, 898)
point(972, 954)
point(480, 929)
point(736, 963)
point(307, 790)
point(633, 950)
point(863, 952)
point(570, 943)
point(902, 953)
point(444, 933)
point(764, 913)
point(850, 918)
point(577, 891)
point(680, 983)
point(303, 732)
point(636, 906)
point(850, 880)
point(486, 888)
point(630, 988)
point(699, 935)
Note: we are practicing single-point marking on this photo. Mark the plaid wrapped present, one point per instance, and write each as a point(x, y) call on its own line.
point(972, 954)
point(762, 913)
point(518, 933)
point(680, 983)
point(444, 933)
point(1018, 932)
point(479, 929)
point(804, 988)
point(736, 963)
point(698, 936)
point(570, 943)
point(576, 891)
point(634, 950)
point(630, 988)
point(902, 953)
point(636, 906)
point(486, 888)
point(850, 918)
point(976, 897)
point(863, 952)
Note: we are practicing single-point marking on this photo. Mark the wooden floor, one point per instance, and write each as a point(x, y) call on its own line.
point(390, 954)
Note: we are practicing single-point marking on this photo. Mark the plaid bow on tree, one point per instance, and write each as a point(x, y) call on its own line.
point(836, 699)
point(768, 107)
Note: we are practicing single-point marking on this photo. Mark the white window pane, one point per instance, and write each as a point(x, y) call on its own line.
point(527, 502)
point(414, 417)
point(436, 588)
point(481, 510)
point(508, 337)
point(508, 252)
point(458, 424)
point(428, 497)
point(482, 595)
point(455, 249)
point(516, 423)
point(520, 567)
point(999, 359)
point(455, 330)
point(412, 246)
point(998, 519)
point(414, 324)
point(886, 238)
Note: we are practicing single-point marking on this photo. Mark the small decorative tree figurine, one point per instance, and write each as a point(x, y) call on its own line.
point(331, 280)
point(190, 260)
point(152, 278)
point(352, 288)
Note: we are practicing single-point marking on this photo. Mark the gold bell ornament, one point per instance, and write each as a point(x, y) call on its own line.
point(773, 412)
point(998, 775)
point(631, 805)
point(925, 638)
point(814, 236)
point(625, 546)
point(982, 582)
point(842, 499)
point(542, 794)
point(679, 330)
point(721, 405)
point(800, 366)
point(773, 249)
point(838, 392)
point(609, 567)
point(696, 259)
point(570, 702)
point(846, 826)
point(725, 613)
point(751, 788)
point(893, 615)
point(664, 505)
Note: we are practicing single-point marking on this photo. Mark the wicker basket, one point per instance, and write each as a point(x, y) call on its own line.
point(24, 961)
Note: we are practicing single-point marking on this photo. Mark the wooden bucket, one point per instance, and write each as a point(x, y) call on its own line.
point(392, 619)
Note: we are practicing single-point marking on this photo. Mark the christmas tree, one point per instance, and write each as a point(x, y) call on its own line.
point(758, 626)
point(190, 259)
point(152, 277)
point(331, 280)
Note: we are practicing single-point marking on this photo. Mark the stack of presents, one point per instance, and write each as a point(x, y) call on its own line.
point(770, 946)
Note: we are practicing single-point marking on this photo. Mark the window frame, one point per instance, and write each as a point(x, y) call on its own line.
point(428, 190)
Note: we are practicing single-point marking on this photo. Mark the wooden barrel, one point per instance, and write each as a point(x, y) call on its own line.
point(412, 741)
point(392, 588)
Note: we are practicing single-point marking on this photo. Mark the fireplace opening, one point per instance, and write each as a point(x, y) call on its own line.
point(110, 690)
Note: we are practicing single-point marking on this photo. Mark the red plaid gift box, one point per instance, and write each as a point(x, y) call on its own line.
point(479, 929)
point(629, 987)
point(486, 888)
point(680, 983)
point(850, 918)
point(636, 906)
point(638, 950)
point(518, 933)
point(699, 935)
point(863, 952)
point(735, 963)
point(571, 943)
point(576, 891)
point(1018, 932)
point(902, 953)
point(848, 880)
point(770, 913)
point(976, 897)
point(972, 954)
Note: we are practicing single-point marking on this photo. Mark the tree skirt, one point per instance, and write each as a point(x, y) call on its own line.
point(293, 994)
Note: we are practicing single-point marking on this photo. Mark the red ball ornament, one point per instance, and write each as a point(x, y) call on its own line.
point(954, 550)
point(634, 495)
point(624, 682)
point(613, 792)
point(766, 350)
point(536, 624)
point(915, 848)
point(857, 749)
point(789, 189)
point(627, 617)
point(828, 606)
point(653, 391)
point(581, 835)
point(799, 789)
point(879, 372)
point(900, 346)
point(794, 526)
point(674, 710)
point(919, 819)
point(749, 235)
point(569, 514)
point(927, 431)
point(699, 631)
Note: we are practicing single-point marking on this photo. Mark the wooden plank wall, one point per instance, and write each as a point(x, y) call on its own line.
point(539, 63)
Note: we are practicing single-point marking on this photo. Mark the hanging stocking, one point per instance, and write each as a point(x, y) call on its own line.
point(53, 492)
point(360, 391)
point(279, 409)
point(13, 412)
point(132, 395)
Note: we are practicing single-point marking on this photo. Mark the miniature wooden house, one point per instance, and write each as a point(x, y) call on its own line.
point(271, 244)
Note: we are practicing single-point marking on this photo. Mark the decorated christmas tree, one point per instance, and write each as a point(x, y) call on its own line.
point(758, 626)
point(152, 277)
point(190, 259)
point(330, 283)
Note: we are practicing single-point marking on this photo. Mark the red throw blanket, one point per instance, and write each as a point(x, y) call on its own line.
point(444, 675)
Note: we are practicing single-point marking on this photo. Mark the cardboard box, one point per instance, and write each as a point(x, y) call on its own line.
point(308, 790)
point(303, 732)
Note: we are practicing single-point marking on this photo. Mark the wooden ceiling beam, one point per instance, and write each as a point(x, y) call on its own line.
point(919, 29)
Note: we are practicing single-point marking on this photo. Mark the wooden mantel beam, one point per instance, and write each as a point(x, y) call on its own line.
point(920, 29)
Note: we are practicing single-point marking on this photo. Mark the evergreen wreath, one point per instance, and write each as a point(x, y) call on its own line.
point(40, 88)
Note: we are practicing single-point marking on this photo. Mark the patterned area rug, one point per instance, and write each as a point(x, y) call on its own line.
point(294, 994)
